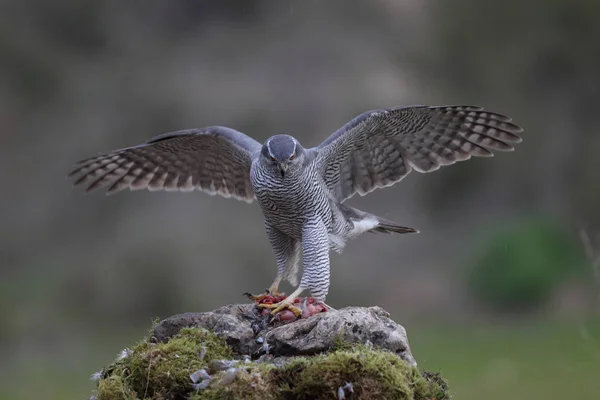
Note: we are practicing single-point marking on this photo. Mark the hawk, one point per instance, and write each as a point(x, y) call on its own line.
point(302, 191)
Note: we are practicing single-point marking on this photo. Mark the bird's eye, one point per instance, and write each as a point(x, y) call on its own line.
point(292, 156)
point(272, 158)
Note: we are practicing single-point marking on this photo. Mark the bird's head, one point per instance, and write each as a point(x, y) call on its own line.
point(282, 154)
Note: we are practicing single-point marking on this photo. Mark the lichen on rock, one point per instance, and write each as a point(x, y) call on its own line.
point(234, 353)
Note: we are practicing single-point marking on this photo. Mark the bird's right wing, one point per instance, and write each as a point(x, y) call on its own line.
point(378, 148)
point(214, 159)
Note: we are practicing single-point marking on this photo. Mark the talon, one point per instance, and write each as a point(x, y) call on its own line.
point(279, 307)
point(257, 297)
point(260, 297)
point(297, 312)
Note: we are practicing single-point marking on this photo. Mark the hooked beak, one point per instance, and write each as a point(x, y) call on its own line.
point(282, 168)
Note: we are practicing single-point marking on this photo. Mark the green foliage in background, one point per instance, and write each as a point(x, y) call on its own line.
point(527, 361)
point(518, 266)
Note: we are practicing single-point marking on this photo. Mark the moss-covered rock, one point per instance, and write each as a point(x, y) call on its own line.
point(197, 364)
point(152, 370)
point(250, 332)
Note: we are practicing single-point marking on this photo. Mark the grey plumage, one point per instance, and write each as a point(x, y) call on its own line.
point(215, 160)
point(301, 191)
point(378, 148)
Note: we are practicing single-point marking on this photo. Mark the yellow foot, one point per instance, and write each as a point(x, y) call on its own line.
point(260, 297)
point(282, 305)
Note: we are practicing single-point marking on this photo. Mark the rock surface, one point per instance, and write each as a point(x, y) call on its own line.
point(248, 332)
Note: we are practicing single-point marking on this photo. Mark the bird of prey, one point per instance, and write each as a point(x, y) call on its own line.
point(302, 190)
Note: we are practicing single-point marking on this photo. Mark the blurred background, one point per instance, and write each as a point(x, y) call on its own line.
point(497, 292)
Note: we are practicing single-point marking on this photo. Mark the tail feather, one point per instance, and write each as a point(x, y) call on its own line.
point(365, 222)
point(390, 227)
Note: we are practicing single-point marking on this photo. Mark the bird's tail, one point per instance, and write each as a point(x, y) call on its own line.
point(386, 226)
point(365, 222)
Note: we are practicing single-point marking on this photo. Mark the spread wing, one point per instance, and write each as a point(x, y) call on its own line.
point(215, 159)
point(378, 148)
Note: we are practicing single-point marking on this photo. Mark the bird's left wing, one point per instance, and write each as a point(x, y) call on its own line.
point(214, 159)
point(378, 148)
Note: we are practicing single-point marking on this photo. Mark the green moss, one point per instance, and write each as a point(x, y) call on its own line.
point(374, 374)
point(252, 383)
point(162, 371)
point(113, 387)
point(341, 343)
point(430, 385)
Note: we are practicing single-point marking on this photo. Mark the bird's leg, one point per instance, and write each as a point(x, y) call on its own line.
point(315, 254)
point(273, 290)
point(286, 251)
point(286, 304)
point(315, 276)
